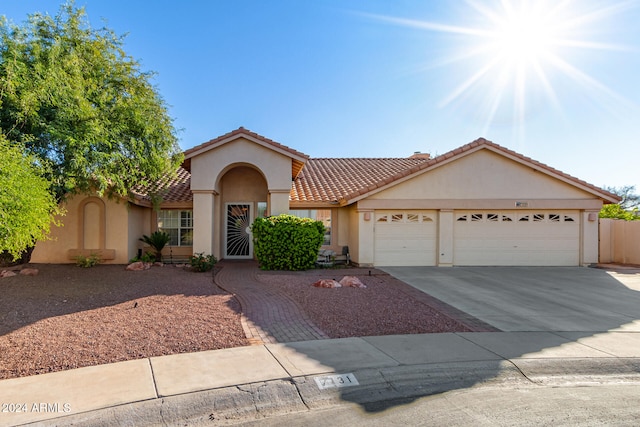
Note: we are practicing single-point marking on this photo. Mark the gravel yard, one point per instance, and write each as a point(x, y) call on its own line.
point(68, 317)
point(386, 306)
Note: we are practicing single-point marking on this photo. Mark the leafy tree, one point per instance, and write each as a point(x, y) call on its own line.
point(27, 208)
point(627, 209)
point(629, 200)
point(616, 211)
point(73, 98)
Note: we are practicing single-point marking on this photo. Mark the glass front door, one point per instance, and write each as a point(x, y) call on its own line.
point(239, 244)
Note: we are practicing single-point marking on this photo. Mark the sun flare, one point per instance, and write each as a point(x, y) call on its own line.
point(516, 54)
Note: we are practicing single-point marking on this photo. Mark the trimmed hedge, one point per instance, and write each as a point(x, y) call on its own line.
point(286, 242)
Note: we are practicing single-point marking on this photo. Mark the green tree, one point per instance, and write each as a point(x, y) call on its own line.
point(627, 209)
point(630, 199)
point(616, 211)
point(72, 97)
point(27, 208)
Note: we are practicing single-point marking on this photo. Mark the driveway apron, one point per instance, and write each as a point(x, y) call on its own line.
point(535, 298)
point(268, 316)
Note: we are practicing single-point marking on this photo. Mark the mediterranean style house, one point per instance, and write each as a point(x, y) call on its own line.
point(480, 204)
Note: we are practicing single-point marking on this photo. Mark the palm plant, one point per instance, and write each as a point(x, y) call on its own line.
point(157, 240)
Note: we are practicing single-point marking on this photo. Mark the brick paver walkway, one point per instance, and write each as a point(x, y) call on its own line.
point(267, 315)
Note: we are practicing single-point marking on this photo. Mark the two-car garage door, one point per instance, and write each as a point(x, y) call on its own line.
point(545, 238)
point(516, 238)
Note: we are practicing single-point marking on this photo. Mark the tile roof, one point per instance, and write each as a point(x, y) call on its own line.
point(341, 181)
point(175, 189)
point(335, 180)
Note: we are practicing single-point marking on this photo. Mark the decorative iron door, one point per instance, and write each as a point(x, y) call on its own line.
point(238, 233)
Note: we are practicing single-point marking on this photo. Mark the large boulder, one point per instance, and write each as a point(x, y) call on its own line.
point(327, 283)
point(29, 271)
point(138, 266)
point(352, 282)
point(7, 273)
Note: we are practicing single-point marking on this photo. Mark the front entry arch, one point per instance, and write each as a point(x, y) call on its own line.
point(243, 194)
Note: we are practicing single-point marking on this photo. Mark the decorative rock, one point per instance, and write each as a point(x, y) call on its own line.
point(352, 282)
point(327, 283)
point(29, 271)
point(138, 266)
point(7, 273)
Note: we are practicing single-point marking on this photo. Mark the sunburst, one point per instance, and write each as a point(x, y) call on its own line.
point(515, 54)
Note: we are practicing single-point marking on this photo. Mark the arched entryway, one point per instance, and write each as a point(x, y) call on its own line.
point(243, 196)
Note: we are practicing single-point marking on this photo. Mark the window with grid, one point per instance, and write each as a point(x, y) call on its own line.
point(178, 225)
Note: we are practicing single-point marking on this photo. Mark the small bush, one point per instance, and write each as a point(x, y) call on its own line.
point(286, 242)
point(148, 257)
point(88, 261)
point(201, 262)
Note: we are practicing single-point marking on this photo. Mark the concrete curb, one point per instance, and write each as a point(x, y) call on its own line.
point(258, 381)
point(379, 389)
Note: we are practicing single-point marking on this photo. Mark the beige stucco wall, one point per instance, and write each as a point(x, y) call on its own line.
point(619, 241)
point(209, 167)
point(483, 175)
point(110, 234)
point(140, 223)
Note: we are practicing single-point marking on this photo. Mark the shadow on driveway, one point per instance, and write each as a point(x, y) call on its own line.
point(553, 318)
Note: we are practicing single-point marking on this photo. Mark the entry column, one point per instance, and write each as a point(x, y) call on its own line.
point(203, 202)
point(278, 201)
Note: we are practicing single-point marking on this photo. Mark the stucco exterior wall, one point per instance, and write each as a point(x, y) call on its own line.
point(91, 224)
point(208, 168)
point(140, 223)
point(483, 175)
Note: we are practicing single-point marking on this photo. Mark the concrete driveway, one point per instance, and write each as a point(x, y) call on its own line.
point(535, 298)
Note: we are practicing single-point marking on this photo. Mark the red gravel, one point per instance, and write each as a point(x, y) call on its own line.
point(68, 317)
point(386, 307)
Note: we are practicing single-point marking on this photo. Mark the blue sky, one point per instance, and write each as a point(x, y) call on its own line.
point(378, 78)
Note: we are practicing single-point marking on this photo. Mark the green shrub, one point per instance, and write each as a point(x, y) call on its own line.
point(88, 261)
point(157, 240)
point(147, 257)
point(201, 262)
point(286, 242)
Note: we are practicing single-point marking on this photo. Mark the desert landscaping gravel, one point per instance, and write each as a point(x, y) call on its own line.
point(386, 306)
point(68, 317)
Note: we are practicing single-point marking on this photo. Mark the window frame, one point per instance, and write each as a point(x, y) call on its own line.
point(181, 229)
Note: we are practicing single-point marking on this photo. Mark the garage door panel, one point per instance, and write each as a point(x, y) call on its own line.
point(524, 238)
point(405, 238)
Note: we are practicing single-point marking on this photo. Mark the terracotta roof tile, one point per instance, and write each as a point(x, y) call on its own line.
point(332, 180)
point(175, 189)
point(347, 179)
point(340, 180)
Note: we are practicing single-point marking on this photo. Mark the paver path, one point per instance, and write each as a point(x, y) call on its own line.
point(267, 315)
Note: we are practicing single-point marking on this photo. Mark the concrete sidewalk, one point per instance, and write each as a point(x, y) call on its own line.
point(258, 380)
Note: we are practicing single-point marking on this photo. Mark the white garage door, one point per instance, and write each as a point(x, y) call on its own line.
point(405, 238)
point(550, 238)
